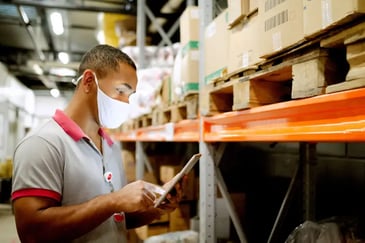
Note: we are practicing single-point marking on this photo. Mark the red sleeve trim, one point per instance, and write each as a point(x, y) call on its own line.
point(35, 192)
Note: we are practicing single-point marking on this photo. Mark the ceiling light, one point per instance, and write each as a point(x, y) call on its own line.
point(64, 57)
point(62, 71)
point(37, 69)
point(55, 93)
point(100, 36)
point(57, 23)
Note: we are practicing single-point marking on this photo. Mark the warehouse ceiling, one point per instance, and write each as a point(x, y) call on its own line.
point(30, 47)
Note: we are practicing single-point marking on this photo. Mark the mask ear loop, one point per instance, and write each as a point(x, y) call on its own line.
point(76, 81)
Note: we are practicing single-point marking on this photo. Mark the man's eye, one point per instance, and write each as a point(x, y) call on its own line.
point(122, 90)
point(125, 91)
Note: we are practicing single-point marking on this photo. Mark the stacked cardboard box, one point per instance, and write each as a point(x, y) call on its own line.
point(253, 5)
point(216, 47)
point(189, 38)
point(243, 44)
point(320, 15)
point(281, 25)
point(237, 9)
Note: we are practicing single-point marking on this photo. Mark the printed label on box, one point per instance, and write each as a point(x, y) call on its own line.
point(276, 41)
point(326, 13)
point(245, 59)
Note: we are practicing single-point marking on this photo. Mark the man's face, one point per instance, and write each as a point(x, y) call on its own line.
point(119, 85)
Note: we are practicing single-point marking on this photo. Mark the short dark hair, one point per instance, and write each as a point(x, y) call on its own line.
point(104, 58)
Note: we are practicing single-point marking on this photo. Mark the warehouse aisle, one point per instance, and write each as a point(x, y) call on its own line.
point(7, 225)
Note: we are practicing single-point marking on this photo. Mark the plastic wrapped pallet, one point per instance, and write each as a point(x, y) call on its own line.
point(148, 90)
point(187, 236)
point(311, 232)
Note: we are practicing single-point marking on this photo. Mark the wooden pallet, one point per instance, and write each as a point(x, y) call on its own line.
point(187, 108)
point(353, 40)
point(182, 110)
point(301, 72)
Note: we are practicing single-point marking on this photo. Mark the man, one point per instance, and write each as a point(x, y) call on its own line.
point(68, 182)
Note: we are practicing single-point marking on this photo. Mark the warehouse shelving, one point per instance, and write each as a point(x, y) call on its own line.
point(183, 131)
point(336, 117)
point(330, 117)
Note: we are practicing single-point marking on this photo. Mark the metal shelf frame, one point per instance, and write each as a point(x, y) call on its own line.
point(337, 117)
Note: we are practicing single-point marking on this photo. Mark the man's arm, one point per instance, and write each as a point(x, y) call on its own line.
point(41, 219)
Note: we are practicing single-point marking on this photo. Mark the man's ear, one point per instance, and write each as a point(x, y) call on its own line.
point(88, 80)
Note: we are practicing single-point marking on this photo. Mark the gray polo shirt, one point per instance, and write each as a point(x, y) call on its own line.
point(60, 162)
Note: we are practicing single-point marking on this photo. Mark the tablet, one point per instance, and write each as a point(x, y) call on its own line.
point(184, 171)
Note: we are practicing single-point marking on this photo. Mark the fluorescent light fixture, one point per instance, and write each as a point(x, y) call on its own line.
point(37, 69)
point(62, 72)
point(64, 57)
point(100, 36)
point(57, 23)
point(55, 93)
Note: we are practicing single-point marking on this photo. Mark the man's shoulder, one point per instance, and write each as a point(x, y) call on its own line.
point(48, 131)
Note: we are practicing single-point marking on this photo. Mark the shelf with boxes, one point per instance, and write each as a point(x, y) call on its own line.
point(330, 117)
point(272, 90)
point(269, 81)
point(330, 61)
point(183, 131)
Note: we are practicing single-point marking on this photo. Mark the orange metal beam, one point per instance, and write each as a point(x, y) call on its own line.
point(331, 117)
point(183, 131)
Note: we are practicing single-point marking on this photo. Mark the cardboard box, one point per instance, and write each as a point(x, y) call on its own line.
point(237, 9)
point(166, 90)
point(189, 25)
point(180, 218)
point(190, 68)
point(149, 230)
point(216, 47)
point(254, 4)
point(321, 14)
point(281, 25)
point(244, 47)
point(129, 164)
point(167, 172)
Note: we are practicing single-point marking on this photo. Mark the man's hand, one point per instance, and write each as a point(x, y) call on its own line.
point(134, 197)
point(174, 197)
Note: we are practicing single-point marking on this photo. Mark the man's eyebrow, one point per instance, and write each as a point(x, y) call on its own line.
point(125, 87)
point(126, 84)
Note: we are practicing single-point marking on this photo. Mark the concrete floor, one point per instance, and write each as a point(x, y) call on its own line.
point(8, 232)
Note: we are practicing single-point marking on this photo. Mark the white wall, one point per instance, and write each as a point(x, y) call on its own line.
point(17, 104)
point(45, 107)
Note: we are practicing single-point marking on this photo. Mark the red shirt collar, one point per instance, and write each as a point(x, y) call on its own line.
point(73, 130)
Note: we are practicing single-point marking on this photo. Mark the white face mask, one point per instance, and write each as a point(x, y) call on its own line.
point(112, 113)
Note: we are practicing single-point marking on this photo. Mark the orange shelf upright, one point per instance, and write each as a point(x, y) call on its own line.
point(330, 117)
